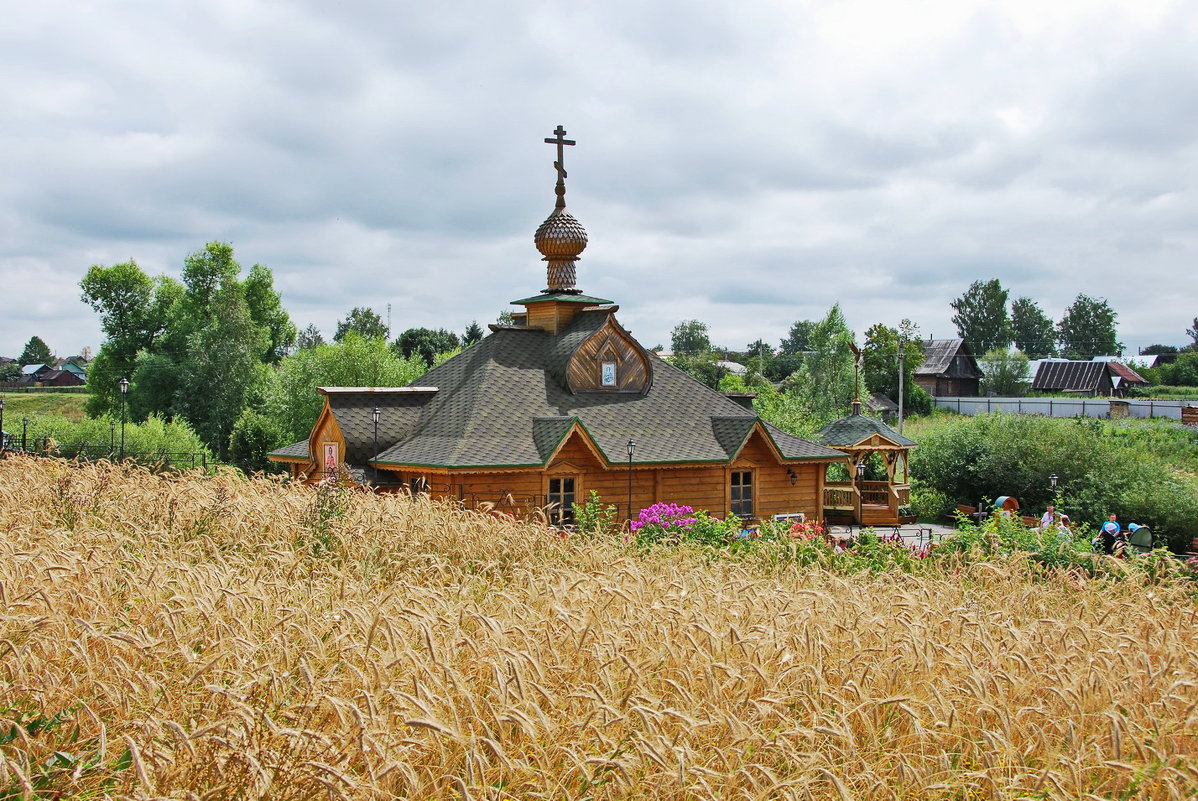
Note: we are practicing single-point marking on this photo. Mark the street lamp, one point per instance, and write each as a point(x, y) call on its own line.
point(374, 415)
point(124, 391)
point(2, 440)
point(24, 432)
point(860, 491)
point(1053, 480)
point(631, 450)
point(111, 437)
point(901, 357)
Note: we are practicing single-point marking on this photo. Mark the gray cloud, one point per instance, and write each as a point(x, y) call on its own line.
point(744, 165)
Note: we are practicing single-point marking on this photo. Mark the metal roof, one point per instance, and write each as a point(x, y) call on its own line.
point(1069, 376)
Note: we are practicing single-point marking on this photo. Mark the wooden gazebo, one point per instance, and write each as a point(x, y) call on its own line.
point(867, 503)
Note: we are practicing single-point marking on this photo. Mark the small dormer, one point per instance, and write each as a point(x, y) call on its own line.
point(609, 360)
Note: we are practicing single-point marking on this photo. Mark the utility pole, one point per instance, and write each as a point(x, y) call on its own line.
point(902, 354)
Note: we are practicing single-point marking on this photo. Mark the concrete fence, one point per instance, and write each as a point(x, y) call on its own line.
point(1069, 407)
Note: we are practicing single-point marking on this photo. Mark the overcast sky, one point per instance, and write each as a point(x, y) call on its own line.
point(742, 163)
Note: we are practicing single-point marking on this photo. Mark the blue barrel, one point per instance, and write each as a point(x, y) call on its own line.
point(1006, 503)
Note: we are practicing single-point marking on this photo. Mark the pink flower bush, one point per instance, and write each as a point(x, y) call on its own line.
point(667, 516)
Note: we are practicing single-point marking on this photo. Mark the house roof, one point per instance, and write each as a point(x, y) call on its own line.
point(848, 431)
point(1069, 376)
point(1125, 373)
point(33, 369)
point(880, 403)
point(940, 359)
point(503, 403)
point(296, 450)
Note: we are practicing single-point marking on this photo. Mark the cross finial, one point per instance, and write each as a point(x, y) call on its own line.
point(560, 140)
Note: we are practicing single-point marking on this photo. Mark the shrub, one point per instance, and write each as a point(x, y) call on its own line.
point(670, 523)
point(594, 517)
point(1101, 468)
point(254, 436)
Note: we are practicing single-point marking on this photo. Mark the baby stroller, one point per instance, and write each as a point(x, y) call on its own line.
point(1139, 539)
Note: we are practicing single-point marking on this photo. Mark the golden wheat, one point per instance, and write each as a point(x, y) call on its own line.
point(217, 637)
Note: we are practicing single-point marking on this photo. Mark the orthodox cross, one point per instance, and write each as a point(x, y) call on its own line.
point(560, 140)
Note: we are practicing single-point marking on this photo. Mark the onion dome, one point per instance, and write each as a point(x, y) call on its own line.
point(561, 238)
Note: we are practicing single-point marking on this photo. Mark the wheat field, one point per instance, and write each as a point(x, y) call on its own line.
point(215, 637)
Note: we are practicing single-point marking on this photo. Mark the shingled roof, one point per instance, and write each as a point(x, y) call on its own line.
point(503, 403)
point(848, 431)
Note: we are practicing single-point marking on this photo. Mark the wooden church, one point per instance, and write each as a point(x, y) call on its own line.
point(539, 414)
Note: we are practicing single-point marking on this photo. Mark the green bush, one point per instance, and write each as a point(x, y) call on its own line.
point(152, 436)
point(1101, 468)
point(929, 504)
point(254, 436)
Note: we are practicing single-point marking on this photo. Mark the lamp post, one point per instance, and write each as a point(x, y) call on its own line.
point(902, 355)
point(1053, 481)
point(24, 432)
point(124, 391)
point(111, 438)
point(2, 439)
point(374, 415)
point(860, 491)
point(631, 450)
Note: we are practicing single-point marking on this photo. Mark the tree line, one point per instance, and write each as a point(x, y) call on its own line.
point(218, 350)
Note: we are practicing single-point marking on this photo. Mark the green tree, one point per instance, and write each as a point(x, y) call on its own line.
point(254, 435)
point(9, 372)
point(798, 340)
point(1158, 350)
point(828, 380)
point(36, 352)
point(880, 362)
point(1192, 333)
point(705, 368)
point(1181, 373)
point(224, 369)
point(123, 296)
point(310, 337)
point(689, 338)
point(290, 397)
point(981, 316)
point(426, 343)
point(1032, 329)
point(364, 321)
point(1087, 329)
point(1005, 372)
point(267, 312)
point(473, 334)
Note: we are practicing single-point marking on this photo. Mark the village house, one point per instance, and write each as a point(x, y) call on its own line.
point(1096, 378)
point(948, 368)
point(563, 403)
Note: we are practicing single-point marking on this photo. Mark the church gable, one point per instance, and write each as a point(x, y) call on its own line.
point(609, 360)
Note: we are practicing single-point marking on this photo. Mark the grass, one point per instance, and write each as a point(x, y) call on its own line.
point(217, 637)
point(33, 404)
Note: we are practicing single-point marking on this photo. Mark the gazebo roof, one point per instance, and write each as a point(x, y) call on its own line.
point(855, 429)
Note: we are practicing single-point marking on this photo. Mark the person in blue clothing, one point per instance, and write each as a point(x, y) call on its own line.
point(1113, 542)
